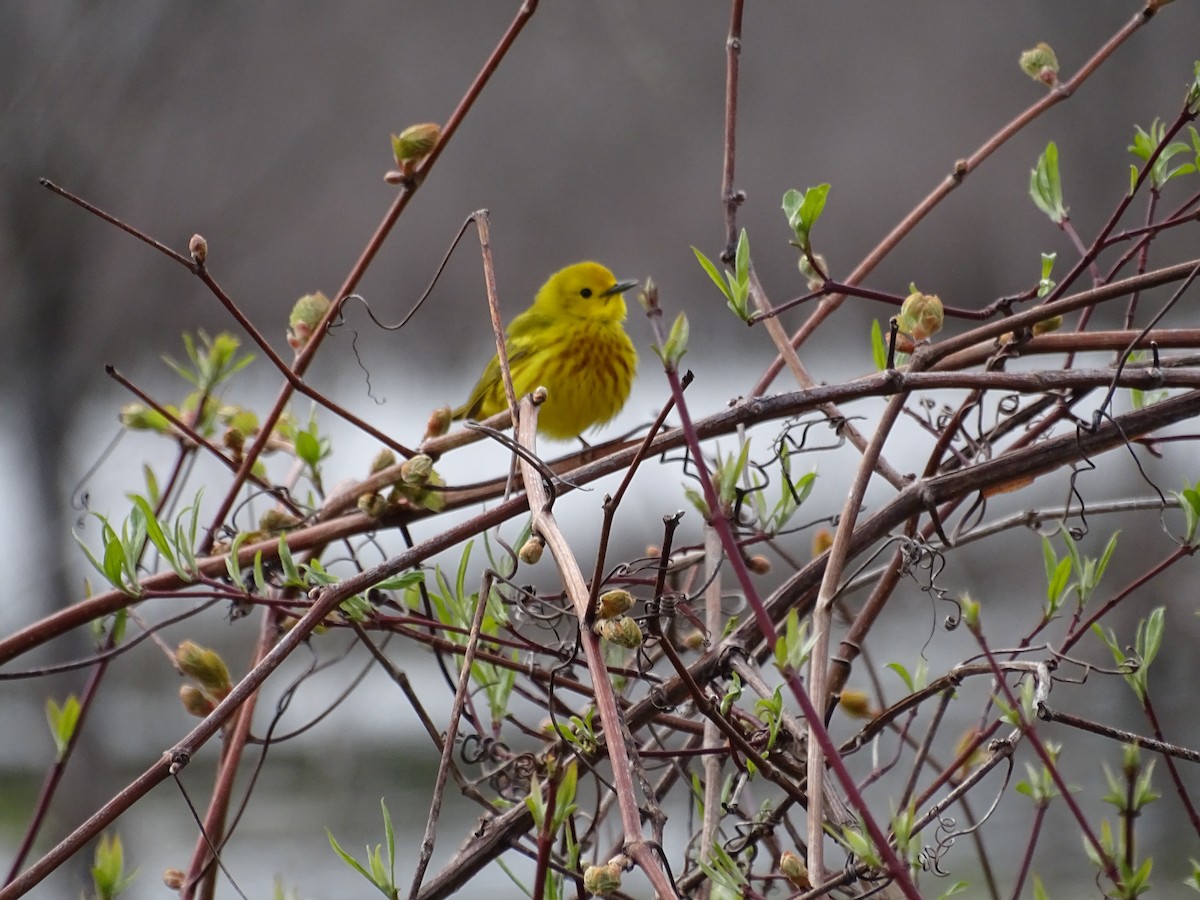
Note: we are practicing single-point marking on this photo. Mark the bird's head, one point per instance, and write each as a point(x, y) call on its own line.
point(586, 290)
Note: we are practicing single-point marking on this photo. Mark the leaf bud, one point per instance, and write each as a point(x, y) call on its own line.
point(372, 504)
point(821, 541)
point(602, 880)
point(758, 564)
point(195, 701)
point(417, 470)
point(174, 878)
point(793, 869)
point(414, 143)
point(695, 640)
point(812, 278)
point(306, 314)
point(234, 441)
point(198, 248)
point(622, 631)
point(612, 603)
point(139, 417)
point(1045, 326)
point(384, 459)
point(531, 551)
point(276, 521)
point(439, 422)
point(204, 666)
point(921, 315)
point(971, 610)
point(856, 704)
point(1041, 64)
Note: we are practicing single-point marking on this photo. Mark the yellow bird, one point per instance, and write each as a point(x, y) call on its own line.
point(572, 342)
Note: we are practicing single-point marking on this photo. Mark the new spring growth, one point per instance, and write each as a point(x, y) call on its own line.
point(612, 603)
point(856, 704)
point(416, 471)
point(306, 314)
point(921, 315)
point(812, 278)
point(531, 551)
point(1041, 64)
point(174, 878)
point(793, 869)
point(622, 631)
point(970, 612)
point(139, 417)
point(195, 701)
point(205, 667)
point(415, 143)
point(758, 564)
point(606, 879)
point(198, 248)
point(439, 422)
point(372, 503)
point(1045, 326)
point(276, 521)
point(411, 146)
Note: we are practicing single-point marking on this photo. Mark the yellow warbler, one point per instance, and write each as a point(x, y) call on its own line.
point(572, 342)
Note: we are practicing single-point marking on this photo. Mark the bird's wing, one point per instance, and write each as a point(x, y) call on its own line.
point(525, 335)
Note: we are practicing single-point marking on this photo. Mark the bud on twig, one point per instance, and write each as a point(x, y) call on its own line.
point(198, 247)
point(1041, 64)
point(307, 313)
point(612, 603)
point(531, 551)
point(204, 666)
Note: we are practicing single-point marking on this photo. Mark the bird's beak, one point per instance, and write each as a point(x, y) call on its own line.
point(619, 288)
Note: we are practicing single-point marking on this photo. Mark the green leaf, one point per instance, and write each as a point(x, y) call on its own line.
point(308, 448)
point(714, 273)
point(676, 345)
point(63, 720)
point(1045, 186)
point(803, 211)
point(156, 534)
point(878, 347)
point(401, 581)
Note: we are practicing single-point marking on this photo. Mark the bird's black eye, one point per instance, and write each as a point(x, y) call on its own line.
point(585, 293)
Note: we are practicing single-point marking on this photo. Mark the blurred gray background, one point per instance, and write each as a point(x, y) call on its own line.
point(265, 127)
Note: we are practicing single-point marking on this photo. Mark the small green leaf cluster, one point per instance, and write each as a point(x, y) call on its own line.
point(1040, 786)
point(454, 606)
point(122, 552)
point(383, 877)
point(108, 869)
point(1133, 877)
point(676, 344)
point(214, 361)
point(1146, 142)
point(803, 210)
point(793, 493)
point(723, 872)
point(734, 285)
point(794, 646)
point(63, 720)
point(1086, 570)
point(1146, 643)
point(580, 732)
point(550, 822)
